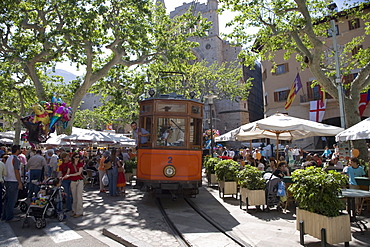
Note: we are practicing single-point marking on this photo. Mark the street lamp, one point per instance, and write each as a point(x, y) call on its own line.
point(210, 103)
point(338, 80)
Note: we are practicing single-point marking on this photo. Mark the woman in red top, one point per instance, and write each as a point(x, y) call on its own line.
point(74, 173)
point(66, 182)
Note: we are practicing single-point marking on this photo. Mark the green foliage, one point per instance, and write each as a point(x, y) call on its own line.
point(223, 80)
point(364, 164)
point(317, 191)
point(251, 178)
point(130, 165)
point(210, 164)
point(227, 170)
point(88, 119)
point(99, 36)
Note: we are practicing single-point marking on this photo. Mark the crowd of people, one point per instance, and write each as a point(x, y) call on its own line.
point(22, 168)
point(293, 158)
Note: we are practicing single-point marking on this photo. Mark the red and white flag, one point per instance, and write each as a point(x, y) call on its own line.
point(317, 110)
point(363, 103)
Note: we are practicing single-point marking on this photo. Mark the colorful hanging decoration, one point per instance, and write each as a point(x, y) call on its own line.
point(45, 119)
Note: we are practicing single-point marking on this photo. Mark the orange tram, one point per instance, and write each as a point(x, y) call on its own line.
point(170, 158)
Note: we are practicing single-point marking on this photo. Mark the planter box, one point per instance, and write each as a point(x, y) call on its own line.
point(338, 229)
point(212, 179)
point(227, 188)
point(255, 197)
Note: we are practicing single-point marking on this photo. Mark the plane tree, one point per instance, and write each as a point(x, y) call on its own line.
point(95, 35)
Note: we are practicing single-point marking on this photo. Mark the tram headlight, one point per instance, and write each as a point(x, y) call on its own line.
point(169, 171)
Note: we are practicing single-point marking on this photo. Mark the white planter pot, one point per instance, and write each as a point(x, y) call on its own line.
point(212, 179)
point(338, 229)
point(253, 197)
point(227, 188)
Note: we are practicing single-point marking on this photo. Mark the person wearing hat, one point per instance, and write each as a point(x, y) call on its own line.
point(101, 170)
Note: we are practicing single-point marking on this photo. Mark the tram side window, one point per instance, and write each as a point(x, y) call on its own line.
point(195, 132)
point(146, 127)
point(171, 132)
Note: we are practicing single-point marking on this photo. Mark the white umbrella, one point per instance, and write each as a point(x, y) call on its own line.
point(57, 140)
point(285, 127)
point(6, 141)
point(228, 136)
point(8, 134)
point(358, 131)
point(122, 140)
point(88, 136)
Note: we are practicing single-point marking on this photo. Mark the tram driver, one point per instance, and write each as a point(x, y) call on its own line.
point(173, 135)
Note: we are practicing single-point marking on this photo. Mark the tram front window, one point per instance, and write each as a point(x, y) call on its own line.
point(171, 132)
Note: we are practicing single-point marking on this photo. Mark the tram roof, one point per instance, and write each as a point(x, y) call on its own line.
point(171, 96)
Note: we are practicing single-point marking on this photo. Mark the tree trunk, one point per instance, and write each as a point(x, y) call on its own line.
point(17, 136)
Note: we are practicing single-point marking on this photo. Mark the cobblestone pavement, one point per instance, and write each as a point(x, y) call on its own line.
point(136, 220)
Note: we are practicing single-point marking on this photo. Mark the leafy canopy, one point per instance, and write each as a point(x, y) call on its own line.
point(318, 191)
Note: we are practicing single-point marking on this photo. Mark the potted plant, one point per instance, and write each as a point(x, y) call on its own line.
point(252, 187)
point(130, 168)
point(209, 165)
point(226, 172)
point(317, 193)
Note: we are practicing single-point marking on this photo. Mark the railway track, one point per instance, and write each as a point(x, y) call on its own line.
point(197, 228)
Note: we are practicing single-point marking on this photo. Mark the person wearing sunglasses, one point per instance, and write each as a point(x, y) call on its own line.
point(74, 173)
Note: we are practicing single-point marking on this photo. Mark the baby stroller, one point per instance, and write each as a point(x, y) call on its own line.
point(22, 198)
point(272, 199)
point(45, 205)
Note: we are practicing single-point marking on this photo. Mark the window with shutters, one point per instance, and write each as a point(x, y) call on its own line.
point(281, 95)
point(281, 69)
point(313, 93)
point(354, 24)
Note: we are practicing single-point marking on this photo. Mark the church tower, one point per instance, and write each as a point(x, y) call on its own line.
point(212, 16)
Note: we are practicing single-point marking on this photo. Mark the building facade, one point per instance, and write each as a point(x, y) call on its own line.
point(277, 85)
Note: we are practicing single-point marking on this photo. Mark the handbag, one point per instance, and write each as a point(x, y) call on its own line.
point(281, 189)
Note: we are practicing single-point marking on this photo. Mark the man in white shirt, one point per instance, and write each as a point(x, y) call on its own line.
point(13, 184)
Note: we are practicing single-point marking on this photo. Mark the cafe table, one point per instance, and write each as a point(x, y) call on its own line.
point(363, 181)
point(351, 195)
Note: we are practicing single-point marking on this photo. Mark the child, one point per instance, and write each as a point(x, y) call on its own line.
point(58, 199)
point(121, 181)
point(354, 170)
